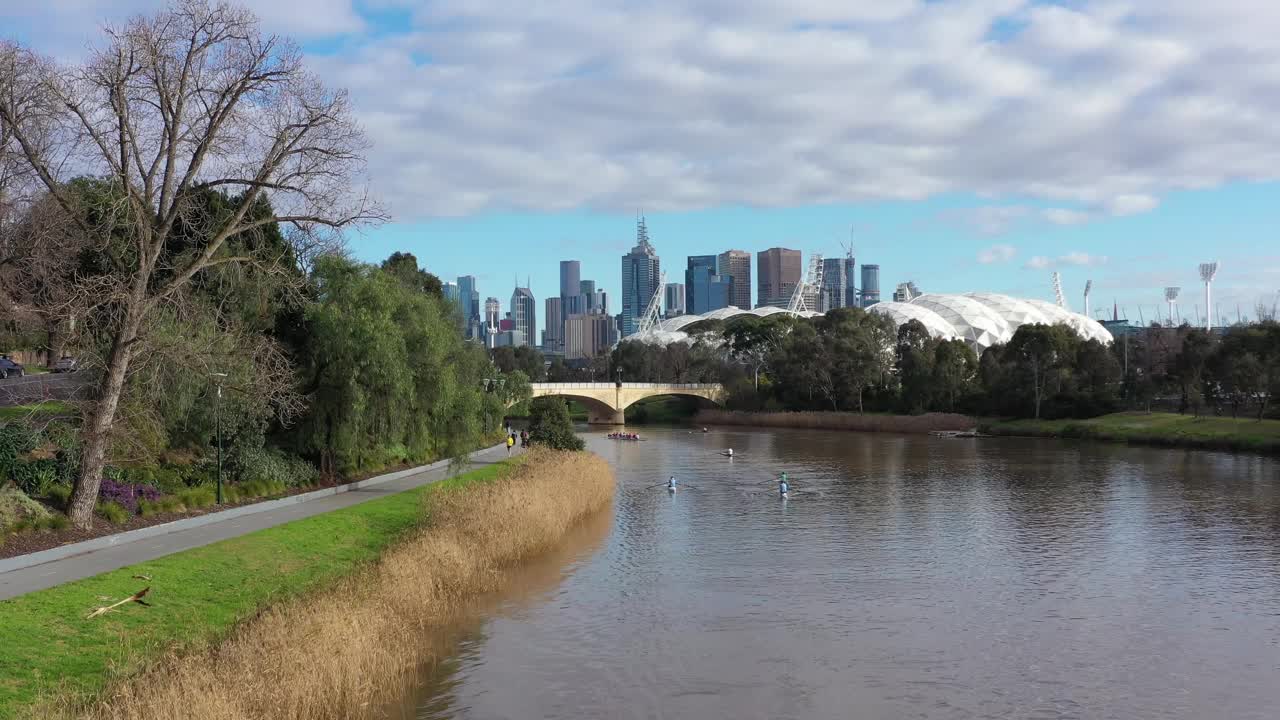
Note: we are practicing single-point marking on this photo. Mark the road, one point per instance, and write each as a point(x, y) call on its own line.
point(39, 577)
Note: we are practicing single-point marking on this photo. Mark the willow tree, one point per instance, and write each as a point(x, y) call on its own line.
point(191, 99)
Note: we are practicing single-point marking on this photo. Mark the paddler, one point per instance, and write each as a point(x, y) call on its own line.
point(784, 487)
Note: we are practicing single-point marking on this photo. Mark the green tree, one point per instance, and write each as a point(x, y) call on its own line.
point(549, 424)
point(1040, 351)
point(915, 362)
point(955, 372)
point(403, 266)
point(1189, 368)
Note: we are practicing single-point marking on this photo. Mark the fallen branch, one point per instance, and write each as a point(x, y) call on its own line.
point(136, 597)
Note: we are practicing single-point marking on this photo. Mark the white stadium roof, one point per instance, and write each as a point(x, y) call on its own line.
point(979, 318)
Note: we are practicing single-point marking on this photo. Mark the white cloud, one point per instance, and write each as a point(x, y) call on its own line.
point(1091, 110)
point(997, 254)
point(1081, 259)
point(1132, 204)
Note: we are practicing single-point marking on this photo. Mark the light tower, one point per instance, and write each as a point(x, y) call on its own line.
point(1207, 272)
point(1171, 297)
point(1088, 287)
point(1058, 297)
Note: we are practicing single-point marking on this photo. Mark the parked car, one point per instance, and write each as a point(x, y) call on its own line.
point(65, 365)
point(9, 368)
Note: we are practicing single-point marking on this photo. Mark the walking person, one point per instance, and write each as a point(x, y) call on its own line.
point(524, 438)
point(511, 441)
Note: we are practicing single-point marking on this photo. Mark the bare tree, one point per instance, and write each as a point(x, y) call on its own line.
point(192, 99)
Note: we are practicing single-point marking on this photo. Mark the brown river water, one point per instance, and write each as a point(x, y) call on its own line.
point(905, 577)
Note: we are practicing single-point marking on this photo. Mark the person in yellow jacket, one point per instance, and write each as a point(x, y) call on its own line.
point(511, 441)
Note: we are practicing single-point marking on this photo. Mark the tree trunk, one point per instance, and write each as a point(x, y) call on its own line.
point(97, 435)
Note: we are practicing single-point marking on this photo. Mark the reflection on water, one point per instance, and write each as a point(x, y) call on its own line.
point(905, 577)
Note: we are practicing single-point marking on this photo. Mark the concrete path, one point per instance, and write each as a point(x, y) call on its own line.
point(38, 577)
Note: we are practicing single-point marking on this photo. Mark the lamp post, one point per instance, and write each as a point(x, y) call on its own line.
point(217, 419)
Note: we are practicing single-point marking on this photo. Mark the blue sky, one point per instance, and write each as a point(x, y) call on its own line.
point(967, 144)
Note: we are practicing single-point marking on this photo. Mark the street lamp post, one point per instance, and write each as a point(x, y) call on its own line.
point(217, 419)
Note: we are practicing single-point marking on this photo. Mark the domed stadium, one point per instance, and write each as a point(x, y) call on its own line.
point(981, 319)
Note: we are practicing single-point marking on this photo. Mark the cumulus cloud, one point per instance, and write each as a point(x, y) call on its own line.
point(1092, 109)
point(997, 254)
point(1041, 262)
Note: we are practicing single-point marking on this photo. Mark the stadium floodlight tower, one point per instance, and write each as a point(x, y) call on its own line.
point(1207, 272)
point(1058, 297)
point(1088, 288)
point(1171, 297)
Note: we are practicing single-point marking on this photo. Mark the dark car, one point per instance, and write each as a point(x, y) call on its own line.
point(9, 368)
point(65, 365)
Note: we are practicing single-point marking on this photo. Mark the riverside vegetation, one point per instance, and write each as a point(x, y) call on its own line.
point(295, 621)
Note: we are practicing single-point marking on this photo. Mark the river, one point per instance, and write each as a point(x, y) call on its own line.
point(905, 577)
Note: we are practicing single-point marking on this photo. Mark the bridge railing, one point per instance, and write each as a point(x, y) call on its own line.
point(625, 385)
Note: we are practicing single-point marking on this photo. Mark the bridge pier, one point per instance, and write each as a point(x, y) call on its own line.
point(606, 417)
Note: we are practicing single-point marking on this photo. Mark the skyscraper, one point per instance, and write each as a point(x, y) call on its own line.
point(553, 335)
point(571, 288)
point(906, 291)
point(586, 336)
point(524, 317)
point(833, 284)
point(870, 285)
point(704, 290)
point(640, 272)
point(735, 266)
point(469, 299)
point(492, 309)
point(851, 298)
point(778, 273)
point(674, 299)
point(587, 289)
point(450, 291)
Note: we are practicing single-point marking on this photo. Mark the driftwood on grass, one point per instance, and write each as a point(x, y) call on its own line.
point(136, 597)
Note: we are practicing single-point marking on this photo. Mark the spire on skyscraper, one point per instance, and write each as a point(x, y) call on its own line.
point(642, 235)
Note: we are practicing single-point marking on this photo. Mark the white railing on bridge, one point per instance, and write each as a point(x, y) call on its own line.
point(631, 385)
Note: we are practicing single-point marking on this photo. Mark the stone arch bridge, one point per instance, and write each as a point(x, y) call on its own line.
point(606, 402)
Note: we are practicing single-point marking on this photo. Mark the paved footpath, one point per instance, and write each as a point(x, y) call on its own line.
point(38, 577)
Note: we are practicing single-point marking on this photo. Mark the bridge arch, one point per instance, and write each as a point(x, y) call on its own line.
point(606, 402)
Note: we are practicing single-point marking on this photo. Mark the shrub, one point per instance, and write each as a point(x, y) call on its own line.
point(35, 477)
point(113, 513)
point(262, 465)
point(59, 496)
point(197, 497)
point(17, 509)
point(550, 426)
point(125, 495)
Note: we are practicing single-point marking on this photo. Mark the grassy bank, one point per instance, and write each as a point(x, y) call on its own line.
point(840, 421)
point(1162, 429)
point(331, 634)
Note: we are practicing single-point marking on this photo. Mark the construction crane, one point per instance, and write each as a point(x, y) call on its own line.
point(653, 312)
point(804, 297)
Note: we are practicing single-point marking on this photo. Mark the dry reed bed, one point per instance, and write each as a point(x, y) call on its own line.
point(350, 650)
point(840, 421)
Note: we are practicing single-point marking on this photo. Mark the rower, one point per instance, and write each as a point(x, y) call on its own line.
point(783, 486)
point(729, 452)
point(671, 483)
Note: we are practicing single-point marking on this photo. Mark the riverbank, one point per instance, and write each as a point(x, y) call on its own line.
point(913, 424)
point(295, 621)
point(1159, 429)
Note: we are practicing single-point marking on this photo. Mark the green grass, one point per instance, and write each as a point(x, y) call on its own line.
point(45, 407)
point(1167, 429)
point(196, 597)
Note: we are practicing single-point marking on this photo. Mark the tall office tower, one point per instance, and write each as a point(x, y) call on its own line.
point(571, 288)
point(735, 266)
point(704, 290)
point(451, 294)
point(834, 284)
point(601, 302)
point(870, 285)
point(778, 273)
point(851, 296)
point(586, 336)
point(674, 299)
point(469, 299)
point(587, 289)
point(524, 316)
point(553, 320)
point(640, 272)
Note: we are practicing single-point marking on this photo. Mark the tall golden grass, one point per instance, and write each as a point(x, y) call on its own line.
point(840, 421)
point(353, 649)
